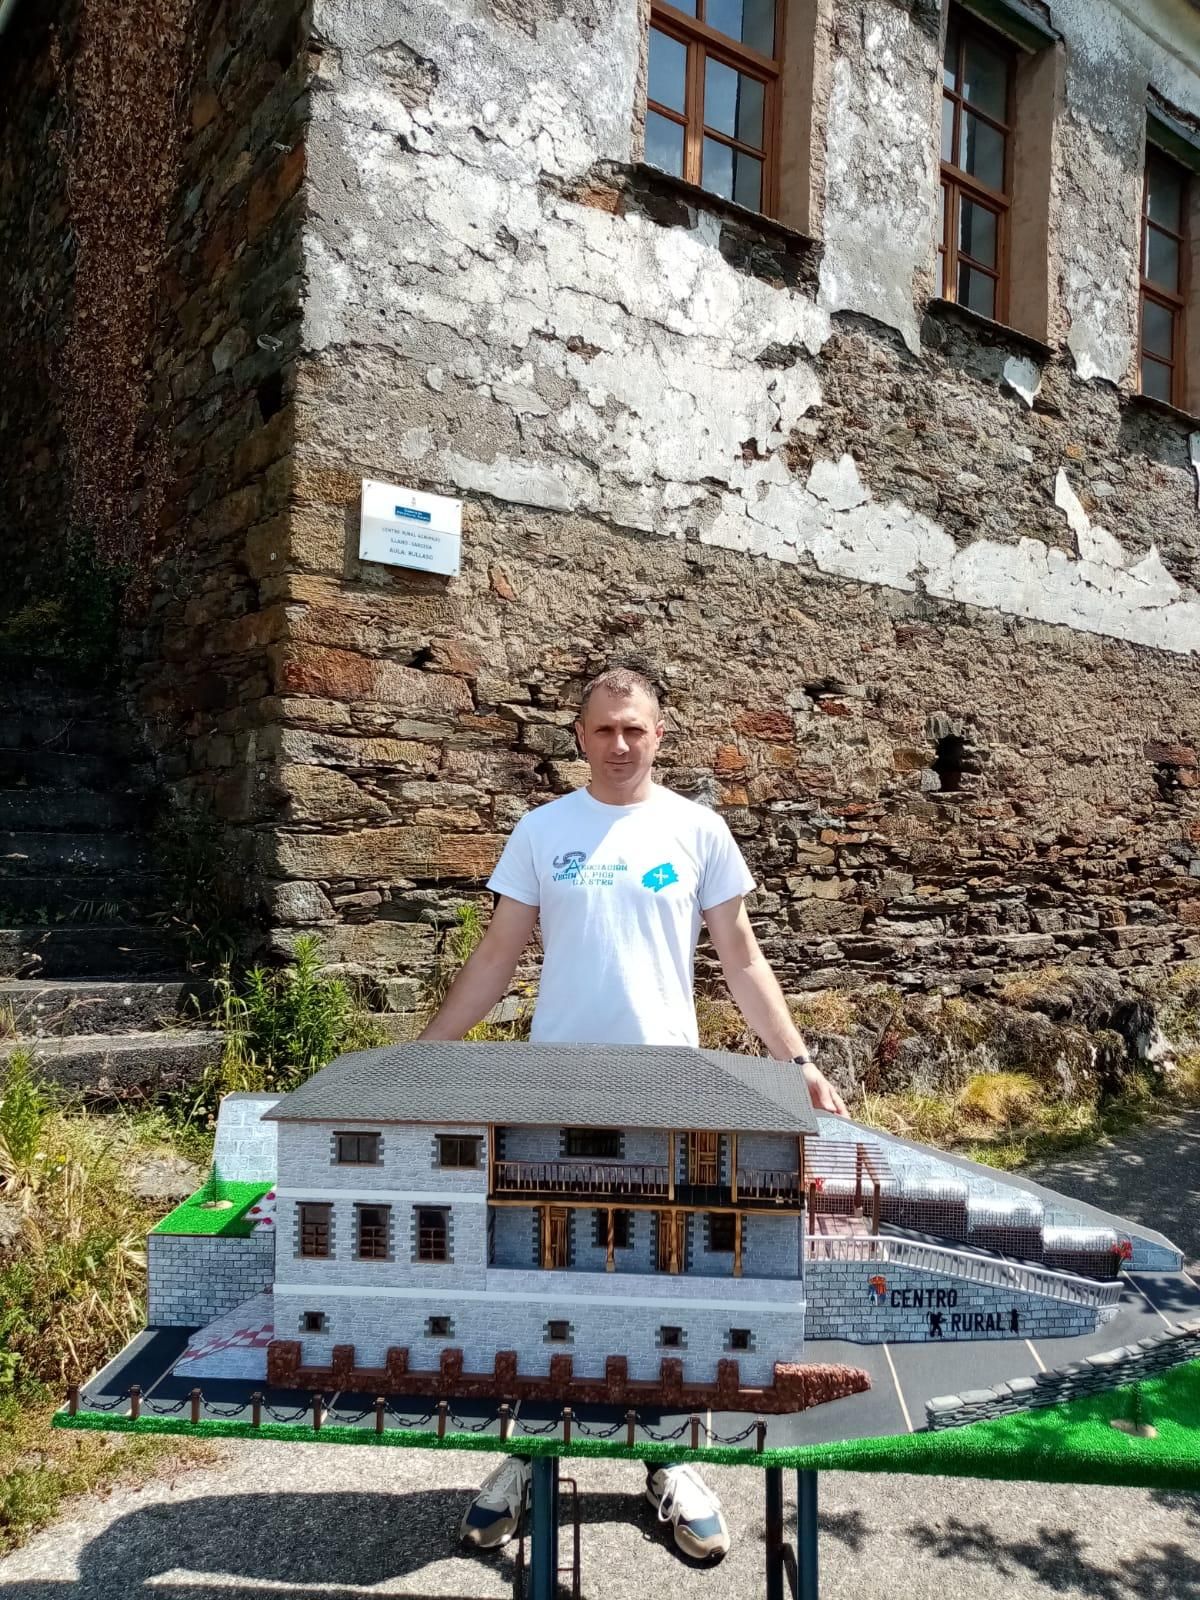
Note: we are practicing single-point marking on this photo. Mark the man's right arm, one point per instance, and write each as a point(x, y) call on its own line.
point(488, 973)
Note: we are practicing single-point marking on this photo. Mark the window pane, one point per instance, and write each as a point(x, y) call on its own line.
point(733, 103)
point(751, 21)
point(976, 290)
point(947, 129)
point(731, 174)
point(668, 70)
point(1156, 380)
point(977, 232)
point(747, 181)
point(1162, 258)
point(1157, 328)
point(1165, 184)
point(664, 143)
point(982, 151)
point(950, 57)
point(941, 233)
point(985, 79)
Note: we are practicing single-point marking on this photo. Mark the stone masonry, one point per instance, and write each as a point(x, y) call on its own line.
point(919, 588)
point(192, 1281)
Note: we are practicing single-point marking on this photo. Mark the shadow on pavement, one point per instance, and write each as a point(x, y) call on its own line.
point(1059, 1560)
point(317, 1541)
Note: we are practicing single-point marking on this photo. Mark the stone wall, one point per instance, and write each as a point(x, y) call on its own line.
point(917, 588)
point(191, 1281)
point(1110, 1369)
point(244, 1150)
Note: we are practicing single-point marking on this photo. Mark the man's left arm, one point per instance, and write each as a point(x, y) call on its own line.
point(759, 998)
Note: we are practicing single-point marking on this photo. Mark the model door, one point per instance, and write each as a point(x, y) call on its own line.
point(671, 1225)
point(702, 1165)
point(557, 1241)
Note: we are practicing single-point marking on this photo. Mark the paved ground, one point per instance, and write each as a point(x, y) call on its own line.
point(332, 1523)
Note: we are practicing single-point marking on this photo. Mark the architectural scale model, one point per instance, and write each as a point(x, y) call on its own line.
point(660, 1225)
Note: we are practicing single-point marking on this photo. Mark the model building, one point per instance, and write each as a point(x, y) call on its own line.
point(601, 1223)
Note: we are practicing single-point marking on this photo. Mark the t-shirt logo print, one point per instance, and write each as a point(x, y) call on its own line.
point(569, 865)
point(660, 877)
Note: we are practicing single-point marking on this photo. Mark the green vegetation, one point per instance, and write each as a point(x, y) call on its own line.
point(72, 1267)
point(192, 1217)
point(458, 944)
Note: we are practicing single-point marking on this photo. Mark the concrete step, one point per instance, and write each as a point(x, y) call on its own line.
point(121, 1066)
point(67, 769)
point(91, 949)
point(50, 898)
point(88, 810)
point(58, 730)
point(43, 1008)
point(40, 691)
point(28, 854)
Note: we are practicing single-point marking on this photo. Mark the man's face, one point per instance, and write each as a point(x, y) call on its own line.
point(619, 736)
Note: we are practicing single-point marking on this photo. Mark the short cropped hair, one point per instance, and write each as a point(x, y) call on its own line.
point(621, 681)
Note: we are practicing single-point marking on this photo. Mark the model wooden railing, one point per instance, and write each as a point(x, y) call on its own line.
point(768, 1183)
point(580, 1177)
point(961, 1264)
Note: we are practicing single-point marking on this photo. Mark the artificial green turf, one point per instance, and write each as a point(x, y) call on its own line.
point(191, 1218)
point(1071, 1443)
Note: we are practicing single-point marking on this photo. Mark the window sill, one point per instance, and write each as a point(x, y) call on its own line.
point(1163, 408)
point(998, 332)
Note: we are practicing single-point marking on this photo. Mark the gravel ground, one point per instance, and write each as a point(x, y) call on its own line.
point(335, 1522)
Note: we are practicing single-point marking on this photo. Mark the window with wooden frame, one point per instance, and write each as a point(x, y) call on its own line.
point(978, 72)
point(596, 1144)
point(356, 1149)
point(372, 1229)
point(722, 1231)
point(315, 1231)
point(712, 109)
point(458, 1150)
point(1163, 278)
point(433, 1234)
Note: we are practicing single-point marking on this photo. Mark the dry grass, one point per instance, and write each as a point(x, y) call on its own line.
point(824, 1011)
point(1000, 1098)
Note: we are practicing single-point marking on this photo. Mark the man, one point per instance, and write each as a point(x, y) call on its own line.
point(620, 874)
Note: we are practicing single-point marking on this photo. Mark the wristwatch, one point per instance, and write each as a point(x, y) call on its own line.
point(803, 1061)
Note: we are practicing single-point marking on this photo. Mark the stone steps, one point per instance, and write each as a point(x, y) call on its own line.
point(91, 949)
point(28, 728)
point(74, 810)
point(40, 900)
point(25, 852)
point(45, 1008)
point(118, 1066)
point(65, 769)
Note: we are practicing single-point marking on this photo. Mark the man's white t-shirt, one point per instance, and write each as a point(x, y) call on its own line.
point(619, 891)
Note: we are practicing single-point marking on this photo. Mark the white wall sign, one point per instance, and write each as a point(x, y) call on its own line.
point(406, 528)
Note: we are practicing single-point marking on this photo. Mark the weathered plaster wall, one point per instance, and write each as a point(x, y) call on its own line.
point(922, 597)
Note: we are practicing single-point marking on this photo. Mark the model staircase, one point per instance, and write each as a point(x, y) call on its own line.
point(91, 973)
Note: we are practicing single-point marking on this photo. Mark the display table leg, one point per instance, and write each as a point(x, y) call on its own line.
point(775, 1569)
point(807, 1579)
point(543, 1533)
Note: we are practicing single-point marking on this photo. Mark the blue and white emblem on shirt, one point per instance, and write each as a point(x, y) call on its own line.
point(660, 877)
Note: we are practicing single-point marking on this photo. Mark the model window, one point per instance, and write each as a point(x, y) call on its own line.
point(373, 1232)
point(313, 1322)
point(739, 1338)
point(597, 1144)
point(670, 1338)
point(558, 1332)
point(1164, 196)
point(433, 1234)
point(977, 79)
point(622, 1226)
point(357, 1149)
point(438, 1328)
point(315, 1230)
point(457, 1150)
point(712, 96)
point(722, 1226)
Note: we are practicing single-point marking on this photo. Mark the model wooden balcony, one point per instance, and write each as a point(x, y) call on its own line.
point(593, 1180)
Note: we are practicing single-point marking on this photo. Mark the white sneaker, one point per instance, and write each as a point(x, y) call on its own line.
point(682, 1497)
point(491, 1518)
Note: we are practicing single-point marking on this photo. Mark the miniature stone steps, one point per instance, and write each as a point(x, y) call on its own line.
point(46, 1008)
point(118, 1066)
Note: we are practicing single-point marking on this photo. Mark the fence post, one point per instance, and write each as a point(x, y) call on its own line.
point(72, 1399)
point(505, 1419)
point(194, 1397)
point(760, 1434)
point(566, 1422)
point(695, 1422)
point(442, 1408)
point(256, 1405)
point(630, 1423)
point(135, 1402)
point(380, 1408)
point(316, 1413)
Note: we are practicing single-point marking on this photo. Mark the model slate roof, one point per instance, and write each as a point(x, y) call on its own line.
point(576, 1085)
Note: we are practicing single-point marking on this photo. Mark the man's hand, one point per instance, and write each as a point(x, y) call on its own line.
point(822, 1093)
point(759, 998)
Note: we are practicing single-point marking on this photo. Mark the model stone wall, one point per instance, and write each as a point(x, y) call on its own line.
point(917, 1306)
point(245, 1149)
point(467, 1229)
point(409, 1164)
point(518, 1307)
point(191, 1281)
